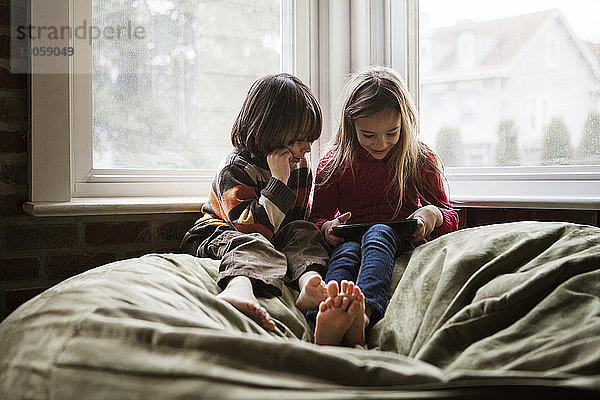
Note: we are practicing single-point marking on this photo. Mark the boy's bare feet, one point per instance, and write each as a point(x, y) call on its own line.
point(312, 291)
point(239, 294)
point(356, 333)
point(335, 316)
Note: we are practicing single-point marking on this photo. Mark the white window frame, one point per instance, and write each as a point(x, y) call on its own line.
point(63, 181)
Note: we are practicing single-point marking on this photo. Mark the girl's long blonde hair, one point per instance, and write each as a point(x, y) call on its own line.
point(366, 93)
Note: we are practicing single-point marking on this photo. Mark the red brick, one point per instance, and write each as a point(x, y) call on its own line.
point(12, 81)
point(98, 234)
point(11, 205)
point(14, 174)
point(5, 46)
point(4, 14)
point(485, 216)
point(462, 218)
point(40, 236)
point(16, 297)
point(19, 269)
point(142, 252)
point(172, 231)
point(13, 109)
point(67, 265)
point(13, 142)
point(587, 217)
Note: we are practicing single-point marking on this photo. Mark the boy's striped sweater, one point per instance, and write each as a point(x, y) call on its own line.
point(246, 197)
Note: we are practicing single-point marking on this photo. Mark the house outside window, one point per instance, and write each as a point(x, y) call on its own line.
point(547, 97)
point(534, 69)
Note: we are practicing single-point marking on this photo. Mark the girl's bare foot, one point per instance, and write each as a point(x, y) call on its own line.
point(335, 316)
point(239, 294)
point(312, 291)
point(356, 332)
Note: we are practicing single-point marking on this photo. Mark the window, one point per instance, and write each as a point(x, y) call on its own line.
point(528, 130)
point(527, 136)
point(145, 104)
point(167, 98)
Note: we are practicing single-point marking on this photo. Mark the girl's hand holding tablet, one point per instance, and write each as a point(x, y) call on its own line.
point(330, 238)
point(428, 218)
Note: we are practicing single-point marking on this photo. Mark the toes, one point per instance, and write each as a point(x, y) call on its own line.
point(337, 301)
point(323, 306)
point(268, 324)
point(330, 302)
point(314, 281)
point(356, 293)
point(345, 303)
point(263, 317)
point(344, 286)
point(350, 288)
point(332, 289)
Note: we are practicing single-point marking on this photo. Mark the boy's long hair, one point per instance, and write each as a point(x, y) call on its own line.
point(366, 93)
point(278, 111)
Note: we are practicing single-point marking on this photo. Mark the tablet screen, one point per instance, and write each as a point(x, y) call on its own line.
point(355, 231)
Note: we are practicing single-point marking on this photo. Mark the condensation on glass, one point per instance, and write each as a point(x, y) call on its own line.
point(510, 85)
point(166, 97)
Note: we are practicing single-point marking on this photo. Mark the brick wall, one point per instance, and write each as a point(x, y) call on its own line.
point(36, 253)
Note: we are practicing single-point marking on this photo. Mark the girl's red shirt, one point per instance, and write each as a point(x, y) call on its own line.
point(366, 197)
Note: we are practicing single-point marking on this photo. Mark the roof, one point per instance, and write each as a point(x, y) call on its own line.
point(506, 37)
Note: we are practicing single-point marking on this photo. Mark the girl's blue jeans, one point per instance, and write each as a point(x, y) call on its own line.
point(369, 264)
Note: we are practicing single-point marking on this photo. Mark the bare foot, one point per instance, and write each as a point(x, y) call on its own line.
point(312, 291)
point(239, 294)
point(335, 316)
point(356, 333)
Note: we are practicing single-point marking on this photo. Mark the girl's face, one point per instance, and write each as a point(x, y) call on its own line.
point(379, 132)
point(298, 150)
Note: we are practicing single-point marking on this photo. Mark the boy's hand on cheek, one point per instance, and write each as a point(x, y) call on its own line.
point(330, 238)
point(279, 164)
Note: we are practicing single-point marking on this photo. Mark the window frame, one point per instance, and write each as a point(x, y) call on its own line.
point(61, 121)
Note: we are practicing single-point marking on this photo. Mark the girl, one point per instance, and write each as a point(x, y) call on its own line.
point(254, 218)
point(377, 170)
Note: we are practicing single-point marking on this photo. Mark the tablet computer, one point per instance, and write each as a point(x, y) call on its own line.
point(355, 231)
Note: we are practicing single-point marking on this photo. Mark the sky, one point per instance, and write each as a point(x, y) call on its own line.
point(583, 15)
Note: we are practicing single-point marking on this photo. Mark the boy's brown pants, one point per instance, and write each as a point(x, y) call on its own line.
point(296, 248)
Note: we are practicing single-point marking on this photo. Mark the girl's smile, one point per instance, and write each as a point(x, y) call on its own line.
point(378, 133)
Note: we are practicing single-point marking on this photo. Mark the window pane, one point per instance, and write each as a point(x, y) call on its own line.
point(168, 96)
point(511, 82)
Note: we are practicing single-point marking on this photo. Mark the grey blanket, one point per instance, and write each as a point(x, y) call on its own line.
point(491, 308)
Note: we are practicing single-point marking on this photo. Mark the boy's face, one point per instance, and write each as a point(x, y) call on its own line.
point(298, 150)
point(379, 133)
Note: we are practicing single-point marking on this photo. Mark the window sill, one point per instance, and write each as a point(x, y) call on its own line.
point(115, 206)
point(160, 205)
